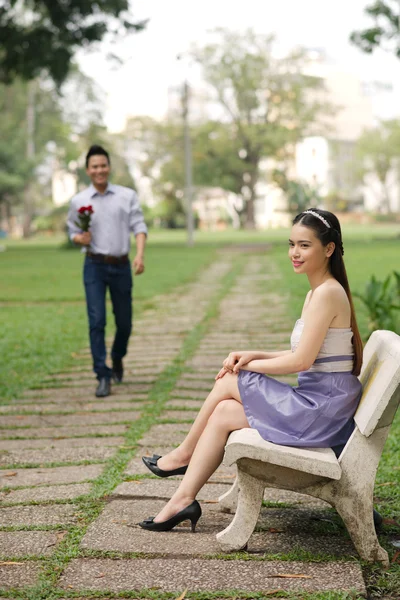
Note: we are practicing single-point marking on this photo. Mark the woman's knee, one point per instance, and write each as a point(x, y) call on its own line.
point(228, 384)
point(223, 413)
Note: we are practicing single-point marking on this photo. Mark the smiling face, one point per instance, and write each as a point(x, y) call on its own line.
point(98, 170)
point(306, 252)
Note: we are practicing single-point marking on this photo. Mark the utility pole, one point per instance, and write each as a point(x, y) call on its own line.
point(30, 154)
point(188, 164)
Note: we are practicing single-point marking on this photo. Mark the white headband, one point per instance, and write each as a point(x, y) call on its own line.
point(314, 214)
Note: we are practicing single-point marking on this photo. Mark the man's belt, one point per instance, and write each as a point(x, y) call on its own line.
point(106, 258)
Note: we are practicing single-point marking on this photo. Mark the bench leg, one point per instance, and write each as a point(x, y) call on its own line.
point(237, 534)
point(357, 515)
point(228, 501)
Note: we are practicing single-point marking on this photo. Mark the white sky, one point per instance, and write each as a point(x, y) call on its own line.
point(140, 86)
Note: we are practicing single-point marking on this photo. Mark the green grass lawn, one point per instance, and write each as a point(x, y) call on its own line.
point(43, 312)
point(42, 308)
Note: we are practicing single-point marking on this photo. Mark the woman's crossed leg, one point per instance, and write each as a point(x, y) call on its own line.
point(225, 388)
point(226, 416)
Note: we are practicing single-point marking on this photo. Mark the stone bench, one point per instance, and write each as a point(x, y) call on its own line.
point(346, 482)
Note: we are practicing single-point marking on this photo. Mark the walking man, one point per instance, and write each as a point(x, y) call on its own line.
point(116, 213)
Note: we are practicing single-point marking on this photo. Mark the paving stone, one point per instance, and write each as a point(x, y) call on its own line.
point(164, 434)
point(71, 381)
point(116, 530)
point(75, 419)
point(23, 543)
point(69, 407)
point(16, 576)
point(45, 493)
point(302, 520)
point(83, 391)
point(294, 498)
point(72, 400)
point(54, 455)
point(179, 415)
point(207, 375)
point(155, 488)
point(64, 443)
point(136, 467)
point(184, 404)
point(204, 362)
point(55, 475)
point(176, 575)
point(57, 433)
point(189, 384)
point(190, 394)
point(63, 514)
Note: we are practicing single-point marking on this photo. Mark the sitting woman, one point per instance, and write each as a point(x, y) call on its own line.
point(326, 352)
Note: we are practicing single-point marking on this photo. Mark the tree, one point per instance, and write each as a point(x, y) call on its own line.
point(44, 129)
point(385, 33)
point(378, 152)
point(300, 195)
point(31, 118)
point(269, 102)
point(43, 35)
point(158, 149)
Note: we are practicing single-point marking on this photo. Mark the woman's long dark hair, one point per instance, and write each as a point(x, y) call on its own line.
point(336, 265)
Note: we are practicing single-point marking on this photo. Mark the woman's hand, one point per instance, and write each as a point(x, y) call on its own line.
point(234, 361)
point(221, 373)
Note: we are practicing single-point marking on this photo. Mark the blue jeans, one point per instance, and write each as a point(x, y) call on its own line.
point(97, 277)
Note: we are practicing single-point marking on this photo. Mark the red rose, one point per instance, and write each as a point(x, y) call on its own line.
point(84, 217)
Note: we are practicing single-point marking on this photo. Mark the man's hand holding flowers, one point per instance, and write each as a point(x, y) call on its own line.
point(84, 219)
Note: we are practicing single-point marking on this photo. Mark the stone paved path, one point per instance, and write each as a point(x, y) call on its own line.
point(73, 486)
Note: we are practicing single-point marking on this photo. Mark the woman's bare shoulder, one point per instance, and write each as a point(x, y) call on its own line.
point(331, 288)
point(332, 294)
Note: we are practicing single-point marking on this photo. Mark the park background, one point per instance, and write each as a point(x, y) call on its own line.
point(248, 116)
point(226, 121)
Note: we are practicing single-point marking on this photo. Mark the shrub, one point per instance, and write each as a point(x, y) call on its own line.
point(382, 300)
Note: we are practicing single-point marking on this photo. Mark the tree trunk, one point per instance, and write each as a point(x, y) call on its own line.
point(250, 222)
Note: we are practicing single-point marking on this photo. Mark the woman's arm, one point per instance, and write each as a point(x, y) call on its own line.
point(321, 310)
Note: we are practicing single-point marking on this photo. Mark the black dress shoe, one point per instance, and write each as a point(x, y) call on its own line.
point(191, 512)
point(117, 370)
point(104, 388)
point(151, 463)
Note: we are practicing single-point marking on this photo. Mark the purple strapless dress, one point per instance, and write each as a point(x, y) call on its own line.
point(318, 413)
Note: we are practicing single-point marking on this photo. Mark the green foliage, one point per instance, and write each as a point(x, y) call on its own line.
point(54, 221)
point(39, 35)
point(268, 105)
point(382, 300)
point(300, 195)
point(44, 129)
point(384, 32)
point(268, 101)
point(378, 152)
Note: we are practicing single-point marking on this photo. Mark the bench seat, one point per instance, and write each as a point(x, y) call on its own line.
point(247, 443)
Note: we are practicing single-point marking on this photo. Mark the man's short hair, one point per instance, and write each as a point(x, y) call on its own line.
point(96, 151)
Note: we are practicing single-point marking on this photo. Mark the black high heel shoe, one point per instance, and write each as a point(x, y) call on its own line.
point(191, 512)
point(151, 463)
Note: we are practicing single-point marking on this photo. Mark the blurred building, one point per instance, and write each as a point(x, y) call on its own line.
point(63, 186)
point(216, 208)
point(328, 162)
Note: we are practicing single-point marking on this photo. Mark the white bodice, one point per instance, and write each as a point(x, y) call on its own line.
point(336, 353)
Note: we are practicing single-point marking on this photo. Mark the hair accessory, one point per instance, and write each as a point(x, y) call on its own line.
point(320, 217)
